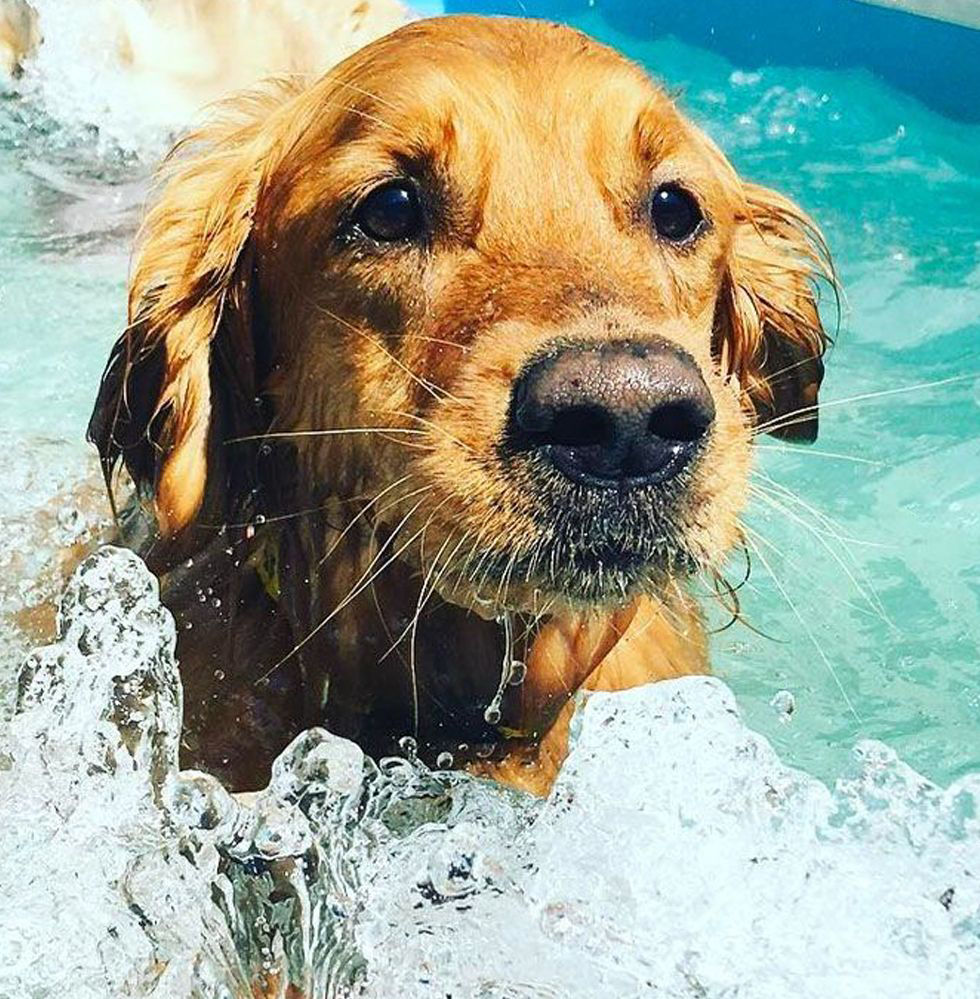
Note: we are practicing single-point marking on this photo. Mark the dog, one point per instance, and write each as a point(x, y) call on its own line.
point(174, 56)
point(20, 36)
point(439, 391)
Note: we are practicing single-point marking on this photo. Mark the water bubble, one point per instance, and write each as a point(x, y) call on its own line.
point(70, 520)
point(492, 714)
point(198, 800)
point(518, 672)
point(456, 867)
point(784, 704)
point(258, 519)
point(219, 674)
point(408, 746)
point(444, 761)
point(317, 762)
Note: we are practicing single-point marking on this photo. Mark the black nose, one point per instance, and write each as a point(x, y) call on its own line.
point(622, 413)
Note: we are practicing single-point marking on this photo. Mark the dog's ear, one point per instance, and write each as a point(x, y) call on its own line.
point(767, 326)
point(185, 366)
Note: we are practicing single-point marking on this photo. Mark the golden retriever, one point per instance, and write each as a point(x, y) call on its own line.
point(440, 385)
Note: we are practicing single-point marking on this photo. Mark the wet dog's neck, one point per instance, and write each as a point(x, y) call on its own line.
point(300, 640)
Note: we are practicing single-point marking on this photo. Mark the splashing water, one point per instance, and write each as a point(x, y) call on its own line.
point(134, 72)
point(676, 856)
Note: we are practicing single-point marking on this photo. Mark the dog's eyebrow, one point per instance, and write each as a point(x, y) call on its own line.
point(655, 131)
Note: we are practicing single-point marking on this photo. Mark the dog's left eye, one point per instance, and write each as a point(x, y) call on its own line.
point(675, 213)
point(390, 213)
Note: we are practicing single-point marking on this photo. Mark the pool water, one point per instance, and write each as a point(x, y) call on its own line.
point(866, 577)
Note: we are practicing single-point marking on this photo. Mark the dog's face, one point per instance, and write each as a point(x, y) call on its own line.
point(488, 279)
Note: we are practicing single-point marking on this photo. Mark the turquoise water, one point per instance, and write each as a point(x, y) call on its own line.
point(868, 577)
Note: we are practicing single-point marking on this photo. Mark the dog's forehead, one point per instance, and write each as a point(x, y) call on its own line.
point(469, 85)
point(512, 119)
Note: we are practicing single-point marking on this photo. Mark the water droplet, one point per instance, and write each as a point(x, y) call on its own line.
point(258, 519)
point(70, 520)
point(199, 801)
point(219, 674)
point(492, 714)
point(216, 602)
point(784, 704)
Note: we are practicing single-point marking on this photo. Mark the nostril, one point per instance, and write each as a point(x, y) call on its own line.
point(683, 421)
point(623, 414)
point(581, 426)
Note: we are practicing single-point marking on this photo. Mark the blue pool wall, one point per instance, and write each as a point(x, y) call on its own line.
point(935, 61)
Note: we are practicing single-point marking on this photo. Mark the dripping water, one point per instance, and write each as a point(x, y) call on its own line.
point(512, 670)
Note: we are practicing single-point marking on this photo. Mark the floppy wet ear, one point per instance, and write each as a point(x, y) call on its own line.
point(190, 314)
point(767, 325)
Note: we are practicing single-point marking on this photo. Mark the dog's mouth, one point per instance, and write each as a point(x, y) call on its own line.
point(599, 450)
point(589, 549)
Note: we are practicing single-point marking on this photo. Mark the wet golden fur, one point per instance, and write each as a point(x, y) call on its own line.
point(257, 322)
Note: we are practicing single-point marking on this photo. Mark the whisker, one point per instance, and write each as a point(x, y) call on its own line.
point(367, 507)
point(358, 587)
point(831, 526)
point(424, 598)
point(395, 642)
point(746, 391)
point(435, 391)
point(875, 603)
point(807, 451)
point(779, 421)
point(331, 432)
point(813, 584)
point(806, 627)
point(431, 424)
point(360, 90)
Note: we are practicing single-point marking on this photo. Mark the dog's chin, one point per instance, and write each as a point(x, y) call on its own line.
point(580, 579)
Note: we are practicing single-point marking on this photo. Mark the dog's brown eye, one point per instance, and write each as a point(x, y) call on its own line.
point(675, 214)
point(390, 213)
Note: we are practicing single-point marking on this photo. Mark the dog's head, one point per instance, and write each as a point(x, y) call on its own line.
point(487, 278)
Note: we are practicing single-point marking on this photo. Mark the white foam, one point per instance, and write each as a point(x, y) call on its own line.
point(677, 856)
point(132, 73)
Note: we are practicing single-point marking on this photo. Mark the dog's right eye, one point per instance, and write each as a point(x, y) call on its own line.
point(390, 213)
